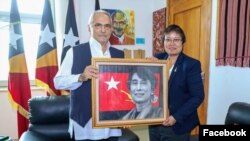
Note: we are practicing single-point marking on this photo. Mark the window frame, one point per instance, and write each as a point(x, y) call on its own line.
point(25, 18)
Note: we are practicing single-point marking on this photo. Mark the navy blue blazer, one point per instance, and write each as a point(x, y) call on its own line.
point(185, 92)
point(80, 99)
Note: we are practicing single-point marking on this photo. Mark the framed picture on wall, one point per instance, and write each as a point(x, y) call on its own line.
point(123, 23)
point(159, 24)
point(129, 92)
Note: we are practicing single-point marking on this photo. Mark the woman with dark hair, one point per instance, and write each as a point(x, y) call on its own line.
point(185, 90)
point(141, 84)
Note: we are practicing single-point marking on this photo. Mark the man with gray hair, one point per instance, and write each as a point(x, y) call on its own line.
point(76, 73)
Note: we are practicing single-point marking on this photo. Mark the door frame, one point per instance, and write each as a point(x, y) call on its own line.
point(206, 14)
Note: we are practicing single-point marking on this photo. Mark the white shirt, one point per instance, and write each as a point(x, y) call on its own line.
point(121, 39)
point(170, 70)
point(64, 79)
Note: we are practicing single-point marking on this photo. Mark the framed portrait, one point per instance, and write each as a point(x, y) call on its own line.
point(129, 92)
point(159, 24)
point(123, 23)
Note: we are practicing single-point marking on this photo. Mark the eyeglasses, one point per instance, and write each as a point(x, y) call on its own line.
point(100, 26)
point(175, 40)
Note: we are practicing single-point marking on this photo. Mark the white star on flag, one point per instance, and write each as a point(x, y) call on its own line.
point(112, 83)
point(47, 36)
point(70, 39)
point(14, 37)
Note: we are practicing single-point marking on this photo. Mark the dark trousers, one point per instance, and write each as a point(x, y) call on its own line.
point(108, 139)
point(163, 133)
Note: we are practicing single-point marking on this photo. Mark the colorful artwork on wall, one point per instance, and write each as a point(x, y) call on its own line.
point(159, 24)
point(123, 27)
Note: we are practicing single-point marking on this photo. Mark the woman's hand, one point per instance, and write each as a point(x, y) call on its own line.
point(170, 121)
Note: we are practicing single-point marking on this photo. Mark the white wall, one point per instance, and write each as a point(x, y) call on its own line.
point(227, 84)
point(159, 4)
point(8, 121)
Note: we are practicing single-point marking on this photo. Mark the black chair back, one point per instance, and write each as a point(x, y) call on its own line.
point(238, 113)
point(49, 116)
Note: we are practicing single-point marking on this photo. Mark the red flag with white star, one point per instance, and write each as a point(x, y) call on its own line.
point(114, 94)
point(114, 97)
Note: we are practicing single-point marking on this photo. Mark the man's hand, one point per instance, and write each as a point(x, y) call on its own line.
point(88, 73)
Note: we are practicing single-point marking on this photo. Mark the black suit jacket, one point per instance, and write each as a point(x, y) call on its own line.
point(185, 92)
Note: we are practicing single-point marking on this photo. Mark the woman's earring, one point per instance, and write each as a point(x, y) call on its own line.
point(154, 99)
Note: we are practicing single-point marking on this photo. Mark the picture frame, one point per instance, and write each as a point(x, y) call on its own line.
point(118, 94)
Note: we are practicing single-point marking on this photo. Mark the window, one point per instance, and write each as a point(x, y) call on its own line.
point(31, 19)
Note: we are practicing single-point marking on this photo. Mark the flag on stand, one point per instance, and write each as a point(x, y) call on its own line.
point(71, 37)
point(18, 81)
point(47, 64)
point(97, 5)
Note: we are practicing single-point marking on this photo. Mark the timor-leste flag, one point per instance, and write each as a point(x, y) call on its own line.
point(97, 5)
point(47, 64)
point(114, 94)
point(18, 80)
point(71, 37)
